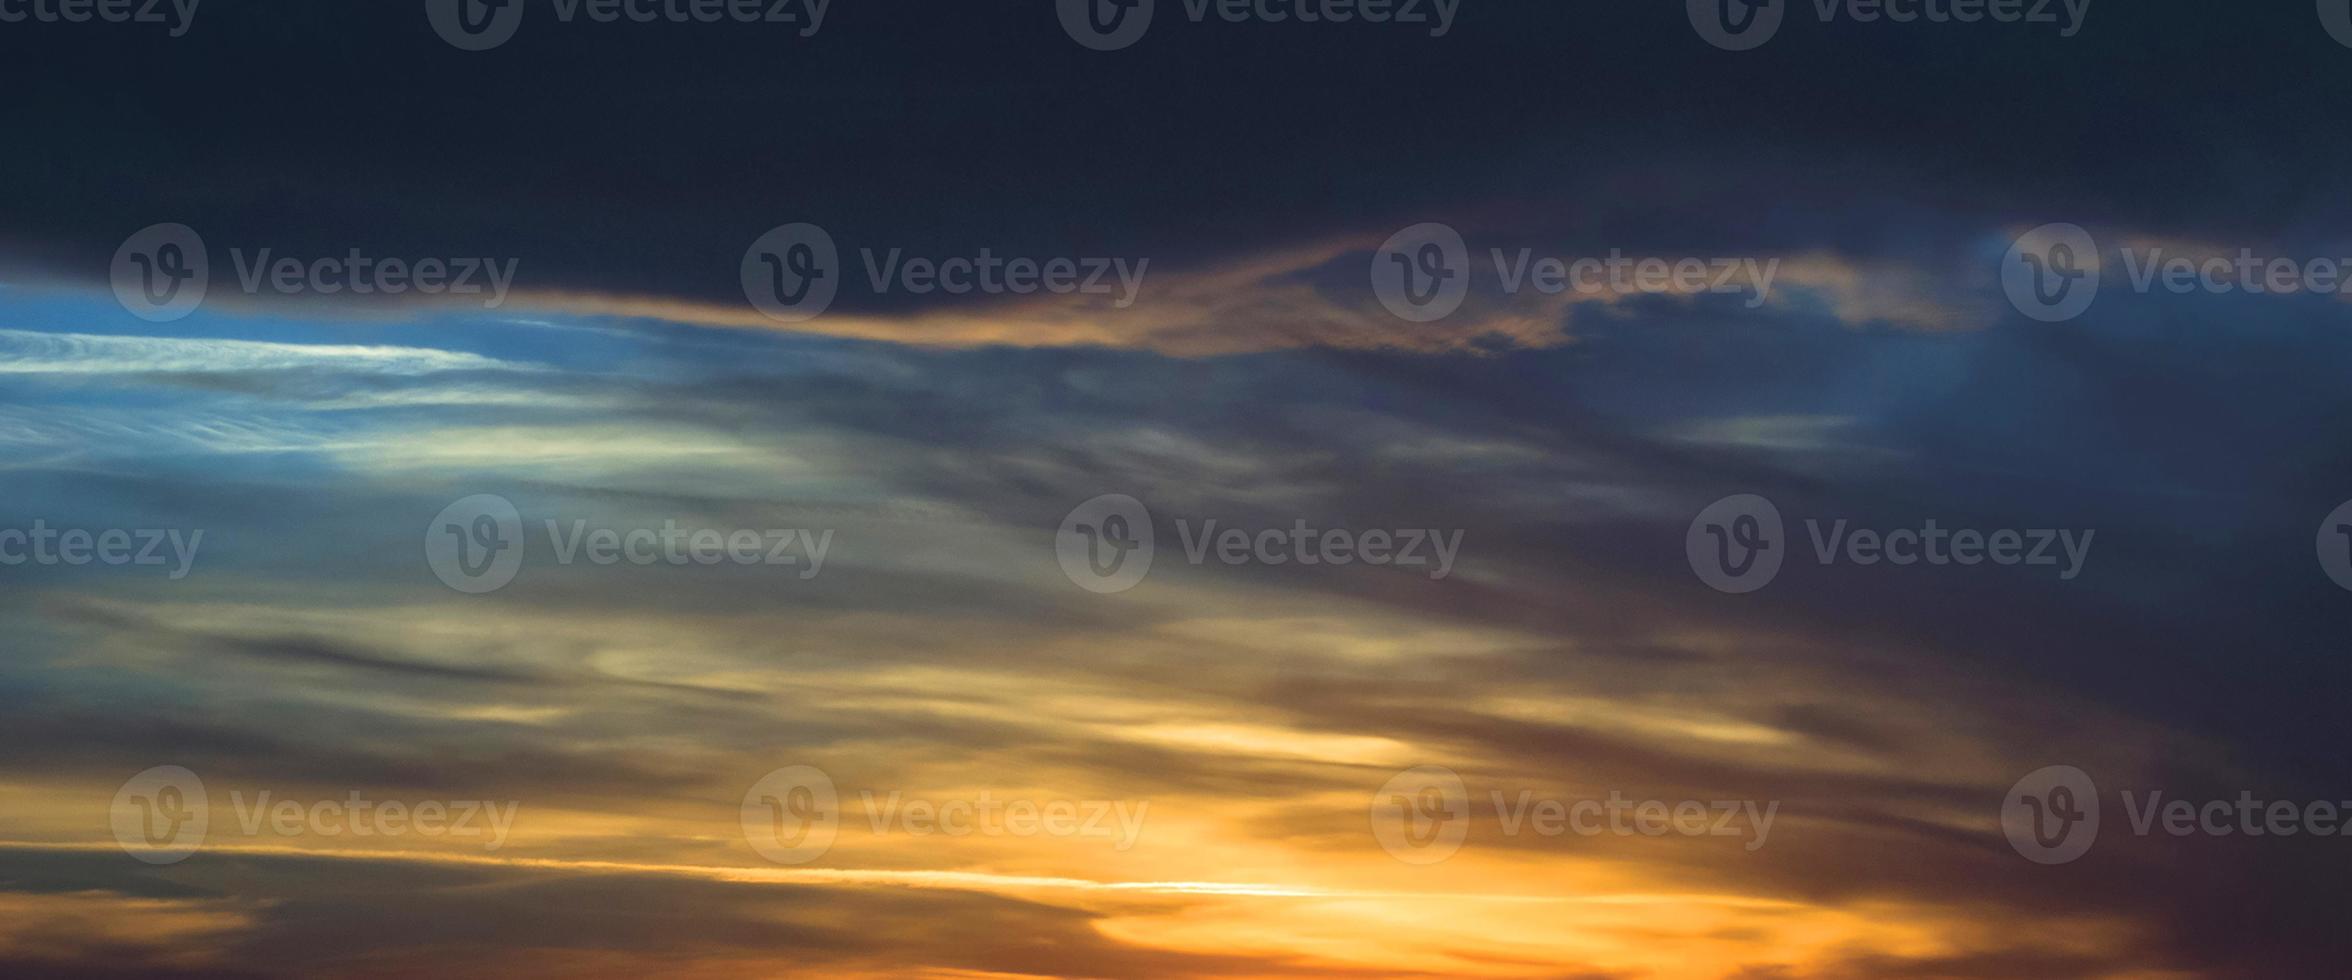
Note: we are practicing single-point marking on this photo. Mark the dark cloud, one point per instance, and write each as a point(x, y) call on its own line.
point(642, 159)
point(1885, 385)
point(373, 918)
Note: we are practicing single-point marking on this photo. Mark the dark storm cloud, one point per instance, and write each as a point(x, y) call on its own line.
point(643, 159)
point(2200, 436)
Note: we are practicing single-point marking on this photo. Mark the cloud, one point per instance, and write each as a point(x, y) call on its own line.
point(27, 352)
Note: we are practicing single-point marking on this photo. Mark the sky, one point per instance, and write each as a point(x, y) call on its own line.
point(1506, 489)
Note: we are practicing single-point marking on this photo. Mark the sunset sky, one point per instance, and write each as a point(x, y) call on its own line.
point(1237, 746)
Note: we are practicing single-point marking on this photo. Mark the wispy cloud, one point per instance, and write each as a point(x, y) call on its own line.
point(27, 352)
